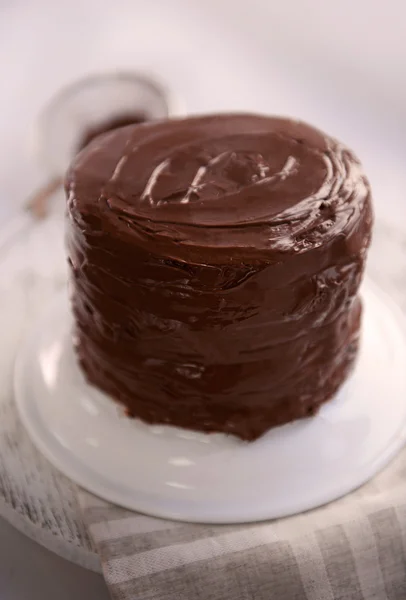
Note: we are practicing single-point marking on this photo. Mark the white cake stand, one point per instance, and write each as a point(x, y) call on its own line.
point(181, 474)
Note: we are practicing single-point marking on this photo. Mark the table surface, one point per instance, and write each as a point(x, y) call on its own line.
point(30, 572)
point(264, 59)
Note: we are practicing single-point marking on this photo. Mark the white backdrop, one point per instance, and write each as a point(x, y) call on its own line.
point(340, 65)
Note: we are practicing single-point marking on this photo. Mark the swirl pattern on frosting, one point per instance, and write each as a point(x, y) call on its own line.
point(215, 264)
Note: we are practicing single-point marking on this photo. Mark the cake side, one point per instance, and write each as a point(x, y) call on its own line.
point(216, 263)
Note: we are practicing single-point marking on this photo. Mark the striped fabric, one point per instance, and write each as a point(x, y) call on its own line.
point(351, 549)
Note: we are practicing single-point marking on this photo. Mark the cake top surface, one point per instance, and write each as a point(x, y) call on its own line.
point(240, 185)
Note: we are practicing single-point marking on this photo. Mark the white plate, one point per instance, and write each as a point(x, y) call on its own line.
point(180, 474)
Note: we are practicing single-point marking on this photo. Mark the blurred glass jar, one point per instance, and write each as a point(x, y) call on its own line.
point(95, 104)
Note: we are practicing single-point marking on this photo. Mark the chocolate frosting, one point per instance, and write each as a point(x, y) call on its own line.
point(215, 265)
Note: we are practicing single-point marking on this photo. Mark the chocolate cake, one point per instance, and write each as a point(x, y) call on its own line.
point(216, 263)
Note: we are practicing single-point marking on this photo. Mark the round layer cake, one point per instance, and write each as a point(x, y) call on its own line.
point(216, 263)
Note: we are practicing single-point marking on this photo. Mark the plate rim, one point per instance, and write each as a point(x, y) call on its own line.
point(394, 445)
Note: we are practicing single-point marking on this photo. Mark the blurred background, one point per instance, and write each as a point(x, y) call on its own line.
point(340, 65)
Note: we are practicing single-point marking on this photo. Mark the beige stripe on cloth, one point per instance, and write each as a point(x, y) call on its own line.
point(313, 572)
point(164, 558)
point(268, 572)
point(365, 552)
point(120, 529)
